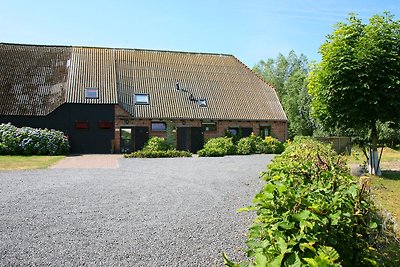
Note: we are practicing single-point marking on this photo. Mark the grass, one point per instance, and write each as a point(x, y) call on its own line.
point(27, 162)
point(386, 189)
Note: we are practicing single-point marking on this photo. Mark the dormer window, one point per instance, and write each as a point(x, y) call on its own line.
point(142, 99)
point(202, 102)
point(91, 93)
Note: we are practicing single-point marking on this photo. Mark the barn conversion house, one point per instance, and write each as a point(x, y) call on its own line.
point(112, 100)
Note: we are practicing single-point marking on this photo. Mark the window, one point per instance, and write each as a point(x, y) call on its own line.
point(158, 126)
point(209, 126)
point(81, 125)
point(234, 130)
point(91, 93)
point(265, 131)
point(202, 102)
point(142, 99)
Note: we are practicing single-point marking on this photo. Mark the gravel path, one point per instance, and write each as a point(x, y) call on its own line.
point(148, 212)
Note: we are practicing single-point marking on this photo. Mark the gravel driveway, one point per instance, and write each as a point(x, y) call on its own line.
point(148, 212)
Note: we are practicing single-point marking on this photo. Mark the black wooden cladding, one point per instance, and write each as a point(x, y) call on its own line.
point(66, 118)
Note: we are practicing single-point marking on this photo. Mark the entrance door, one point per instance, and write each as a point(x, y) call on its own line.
point(190, 138)
point(141, 137)
point(133, 138)
point(126, 139)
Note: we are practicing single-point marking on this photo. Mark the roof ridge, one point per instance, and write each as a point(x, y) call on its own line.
point(37, 45)
point(121, 48)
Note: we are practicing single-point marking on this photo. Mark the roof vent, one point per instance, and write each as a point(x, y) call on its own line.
point(177, 86)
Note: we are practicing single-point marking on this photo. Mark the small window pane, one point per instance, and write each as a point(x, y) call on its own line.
point(209, 126)
point(234, 131)
point(142, 99)
point(202, 102)
point(158, 126)
point(92, 93)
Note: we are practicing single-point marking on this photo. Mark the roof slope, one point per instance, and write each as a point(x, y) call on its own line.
point(92, 68)
point(232, 91)
point(37, 79)
point(32, 78)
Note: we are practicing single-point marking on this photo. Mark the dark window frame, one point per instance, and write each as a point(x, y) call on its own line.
point(154, 129)
point(207, 129)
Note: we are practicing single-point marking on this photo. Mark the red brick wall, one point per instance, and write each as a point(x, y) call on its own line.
point(123, 118)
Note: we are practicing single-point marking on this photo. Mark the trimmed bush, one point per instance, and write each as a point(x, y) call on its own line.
point(244, 146)
point(31, 141)
point(172, 153)
point(156, 144)
point(216, 147)
point(157, 147)
point(311, 212)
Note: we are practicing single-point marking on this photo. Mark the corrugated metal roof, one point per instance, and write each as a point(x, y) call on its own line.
point(32, 78)
point(92, 68)
point(37, 79)
point(232, 91)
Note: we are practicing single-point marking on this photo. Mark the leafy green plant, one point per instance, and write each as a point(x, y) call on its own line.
point(31, 141)
point(310, 212)
point(156, 144)
point(171, 153)
point(216, 147)
point(157, 147)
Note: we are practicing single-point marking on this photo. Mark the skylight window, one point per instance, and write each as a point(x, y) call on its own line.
point(142, 99)
point(91, 93)
point(202, 102)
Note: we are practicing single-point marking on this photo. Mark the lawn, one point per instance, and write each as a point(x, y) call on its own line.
point(27, 162)
point(386, 189)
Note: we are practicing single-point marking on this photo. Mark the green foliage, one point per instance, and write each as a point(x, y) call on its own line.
point(156, 144)
point(171, 136)
point(157, 147)
point(288, 75)
point(216, 147)
point(357, 83)
point(170, 153)
point(256, 145)
point(31, 141)
point(310, 212)
point(221, 146)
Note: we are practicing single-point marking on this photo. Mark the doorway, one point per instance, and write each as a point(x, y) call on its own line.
point(133, 138)
point(190, 138)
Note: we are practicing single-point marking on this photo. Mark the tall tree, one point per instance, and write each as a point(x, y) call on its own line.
point(357, 84)
point(289, 77)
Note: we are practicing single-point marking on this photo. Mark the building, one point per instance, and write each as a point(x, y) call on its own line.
point(112, 99)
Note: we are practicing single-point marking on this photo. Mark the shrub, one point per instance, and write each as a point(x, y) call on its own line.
point(216, 147)
point(310, 212)
point(244, 146)
point(156, 144)
point(171, 153)
point(157, 147)
point(31, 141)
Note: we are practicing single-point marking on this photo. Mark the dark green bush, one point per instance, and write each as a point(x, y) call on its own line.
point(216, 147)
point(31, 141)
point(310, 212)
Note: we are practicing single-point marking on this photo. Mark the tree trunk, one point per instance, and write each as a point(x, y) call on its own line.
point(373, 162)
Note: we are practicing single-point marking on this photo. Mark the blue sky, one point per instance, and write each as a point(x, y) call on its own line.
point(249, 29)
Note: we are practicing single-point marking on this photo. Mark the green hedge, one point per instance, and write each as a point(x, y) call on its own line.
point(31, 141)
point(311, 212)
point(221, 146)
point(217, 147)
point(157, 147)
